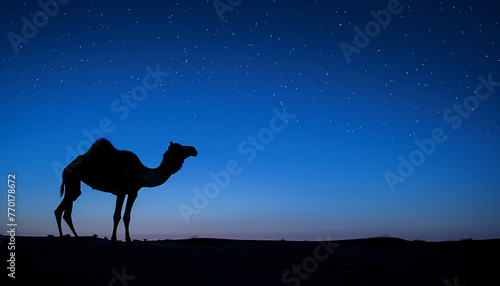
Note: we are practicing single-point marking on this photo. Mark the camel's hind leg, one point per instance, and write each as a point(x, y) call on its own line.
point(58, 213)
point(67, 218)
point(66, 206)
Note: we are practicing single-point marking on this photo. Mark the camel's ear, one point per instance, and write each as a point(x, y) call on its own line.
point(171, 143)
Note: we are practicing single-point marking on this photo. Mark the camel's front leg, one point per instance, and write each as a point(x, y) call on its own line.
point(126, 215)
point(117, 216)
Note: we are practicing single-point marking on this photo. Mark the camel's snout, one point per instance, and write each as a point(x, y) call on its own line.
point(191, 151)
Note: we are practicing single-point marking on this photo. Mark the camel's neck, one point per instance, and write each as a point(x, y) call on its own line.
point(155, 177)
point(169, 165)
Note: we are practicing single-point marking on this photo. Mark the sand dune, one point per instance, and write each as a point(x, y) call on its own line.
point(373, 261)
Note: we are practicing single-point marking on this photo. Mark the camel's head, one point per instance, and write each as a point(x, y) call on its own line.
point(187, 151)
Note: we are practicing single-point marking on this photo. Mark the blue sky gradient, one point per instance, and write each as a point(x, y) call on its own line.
point(219, 86)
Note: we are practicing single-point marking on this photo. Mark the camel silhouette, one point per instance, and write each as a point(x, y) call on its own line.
point(119, 172)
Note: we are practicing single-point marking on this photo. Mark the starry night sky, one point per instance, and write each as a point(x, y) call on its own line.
point(323, 139)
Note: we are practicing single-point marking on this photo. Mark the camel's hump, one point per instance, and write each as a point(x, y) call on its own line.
point(102, 145)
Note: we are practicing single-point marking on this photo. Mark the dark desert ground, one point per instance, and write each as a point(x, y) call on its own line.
point(206, 261)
